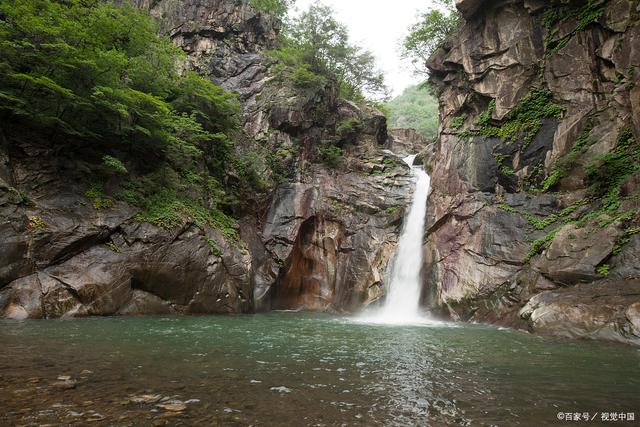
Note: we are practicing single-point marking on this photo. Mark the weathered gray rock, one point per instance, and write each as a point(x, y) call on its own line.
point(626, 264)
point(323, 243)
point(468, 7)
point(606, 310)
point(575, 253)
point(223, 39)
point(481, 262)
point(405, 142)
point(23, 299)
point(332, 236)
point(142, 302)
point(176, 268)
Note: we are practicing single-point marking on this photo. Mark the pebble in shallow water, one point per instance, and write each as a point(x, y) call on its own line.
point(67, 384)
point(173, 407)
point(146, 398)
point(281, 389)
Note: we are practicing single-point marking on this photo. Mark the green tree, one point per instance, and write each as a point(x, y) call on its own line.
point(93, 70)
point(416, 108)
point(322, 44)
point(95, 75)
point(277, 8)
point(429, 33)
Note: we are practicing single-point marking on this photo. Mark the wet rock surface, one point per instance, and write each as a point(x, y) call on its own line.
point(335, 244)
point(320, 241)
point(405, 142)
point(513, 216)
point(607, 309)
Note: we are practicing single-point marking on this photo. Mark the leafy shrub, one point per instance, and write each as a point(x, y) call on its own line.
point(215, 250)
point(331, 155)
point(167, 199)
point(36, 222)
point(349, 126)
point(383, 108)
point(114, 164)
point(251, 167)
point(99, 200)
point(603, 270)
point(96, 74)
point(114, 247)
point(304, 77)
point(315, 49)
point(458, 121)
point(427, 36)
point(277, 8)
point(68, 70)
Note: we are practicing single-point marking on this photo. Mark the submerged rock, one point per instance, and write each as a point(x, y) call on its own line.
point(172, 407)
point(281, 389)
point(66, 384)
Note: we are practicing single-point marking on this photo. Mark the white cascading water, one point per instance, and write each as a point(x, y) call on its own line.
point(403, 300)
point(402, 304)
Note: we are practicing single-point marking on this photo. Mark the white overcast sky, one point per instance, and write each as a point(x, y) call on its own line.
point(379, 25)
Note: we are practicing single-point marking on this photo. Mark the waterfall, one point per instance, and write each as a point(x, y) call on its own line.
point(403, 298)
point(402, 304)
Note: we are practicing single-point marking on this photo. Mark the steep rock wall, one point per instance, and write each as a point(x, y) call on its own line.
point(535, 172)
point(321, 240)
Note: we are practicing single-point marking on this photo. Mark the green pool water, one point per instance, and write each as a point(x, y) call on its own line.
point(303, 369)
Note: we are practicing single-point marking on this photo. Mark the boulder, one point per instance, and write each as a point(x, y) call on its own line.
point(606, 309)
point(575, 253)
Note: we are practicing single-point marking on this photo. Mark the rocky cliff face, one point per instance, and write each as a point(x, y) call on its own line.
point(320, 241)
point(533, 216)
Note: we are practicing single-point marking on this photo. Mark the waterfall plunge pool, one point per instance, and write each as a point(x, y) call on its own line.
point(281, 369)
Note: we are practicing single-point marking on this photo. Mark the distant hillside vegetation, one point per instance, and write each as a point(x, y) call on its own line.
point(415, 108)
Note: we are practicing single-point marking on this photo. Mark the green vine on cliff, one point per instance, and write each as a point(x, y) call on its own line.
point(583, 15)
point(562, 165)
point(523, 121)
point(215, 249)
point(458, 121)
point(628, 232)
point(538, 245)
point(607, 173)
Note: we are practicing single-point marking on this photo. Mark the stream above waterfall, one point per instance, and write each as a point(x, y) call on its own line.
point(301, 369)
